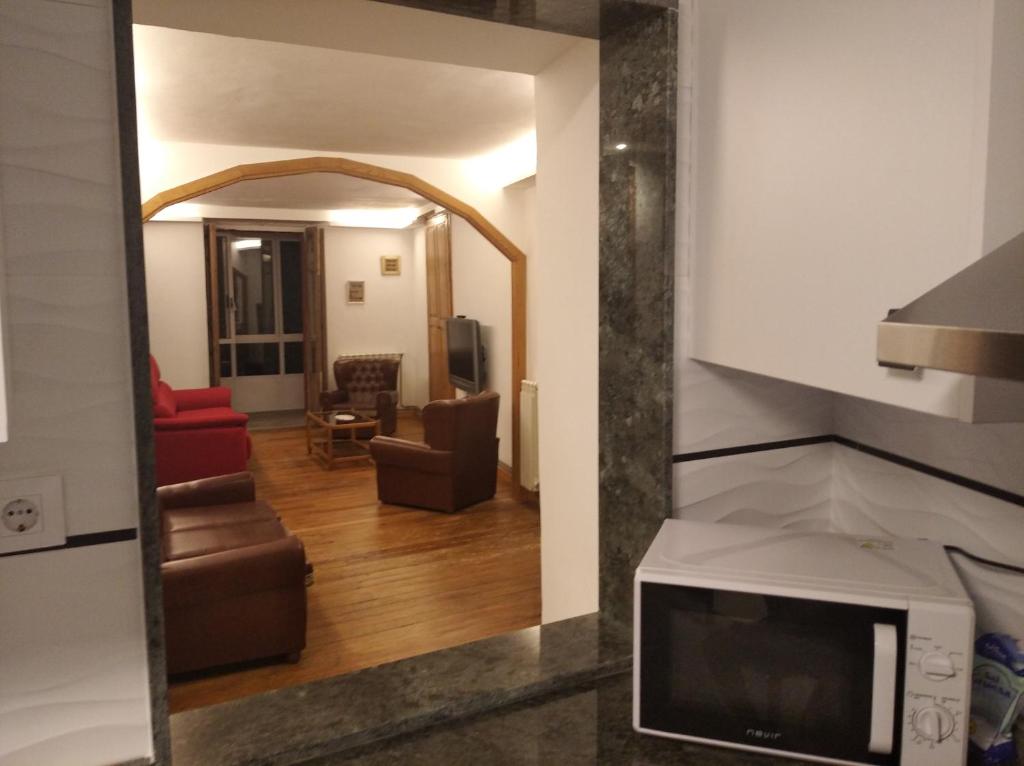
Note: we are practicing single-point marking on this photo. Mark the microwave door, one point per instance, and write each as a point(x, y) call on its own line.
point(768, 672)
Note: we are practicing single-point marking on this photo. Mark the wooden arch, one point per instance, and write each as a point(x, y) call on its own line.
point(301, 166)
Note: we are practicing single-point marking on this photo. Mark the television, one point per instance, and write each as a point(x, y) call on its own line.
point(467, 361)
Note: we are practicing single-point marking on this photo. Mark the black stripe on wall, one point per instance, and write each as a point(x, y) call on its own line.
point(84, 541)
point(686, 457)
point(906, 462)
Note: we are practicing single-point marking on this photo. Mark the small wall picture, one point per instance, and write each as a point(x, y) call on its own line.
point(356, 292)
point(391, 265)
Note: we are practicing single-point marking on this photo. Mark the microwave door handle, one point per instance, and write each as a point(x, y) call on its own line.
point(883, 689)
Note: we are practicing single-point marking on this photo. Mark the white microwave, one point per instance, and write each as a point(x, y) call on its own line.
point(817, 646)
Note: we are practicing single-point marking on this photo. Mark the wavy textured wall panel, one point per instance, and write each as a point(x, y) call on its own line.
point(873, 496)
point(717, 407)
point(992, 453)
point(779, 488)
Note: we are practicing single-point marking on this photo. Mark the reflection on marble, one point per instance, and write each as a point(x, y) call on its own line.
point(334, 714)
point(587, 726)
point(778, 488)
point(719, 407)
point(571, 17)
point(637, 197)
point(874, 496)
point(991, 453)
point(582, 18)
point(145, 462)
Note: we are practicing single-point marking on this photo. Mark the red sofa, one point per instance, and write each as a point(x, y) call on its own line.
point(197, 434)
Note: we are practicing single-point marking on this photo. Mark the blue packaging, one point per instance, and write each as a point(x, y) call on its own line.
point(997, 696)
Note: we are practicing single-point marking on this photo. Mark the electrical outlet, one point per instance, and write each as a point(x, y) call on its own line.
point(21, 517)
point(31, 513)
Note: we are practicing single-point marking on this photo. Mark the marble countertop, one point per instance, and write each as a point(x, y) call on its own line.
point(589, 725)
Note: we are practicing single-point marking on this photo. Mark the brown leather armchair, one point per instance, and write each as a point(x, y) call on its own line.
point(368, 386)
point(233, 576)
point(458, 465)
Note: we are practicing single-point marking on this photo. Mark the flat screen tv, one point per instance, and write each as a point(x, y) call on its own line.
point(467, 368)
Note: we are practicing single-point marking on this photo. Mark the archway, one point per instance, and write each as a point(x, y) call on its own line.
point(304, 165)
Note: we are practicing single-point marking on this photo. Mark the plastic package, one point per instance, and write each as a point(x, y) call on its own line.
point(997, 696)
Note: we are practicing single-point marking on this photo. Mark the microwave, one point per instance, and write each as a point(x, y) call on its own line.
point(811, 645)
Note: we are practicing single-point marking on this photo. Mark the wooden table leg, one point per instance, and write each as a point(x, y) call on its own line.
point(309, 436)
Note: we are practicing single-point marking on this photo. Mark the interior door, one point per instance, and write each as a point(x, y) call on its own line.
point(314, 317)
point(439, 303)
point(214, 300)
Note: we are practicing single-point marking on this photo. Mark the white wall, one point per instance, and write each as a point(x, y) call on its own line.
point(563, 286)
point(482, 290)
point(176, 297)
point(390, 320)
point(73, 666)
point(840, 172)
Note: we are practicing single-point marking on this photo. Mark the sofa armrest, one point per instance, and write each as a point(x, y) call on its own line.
point(216, 490)
point(202, 398)
point(410, 455)
point(386, 401)
point(228, 574)
point(332, 400)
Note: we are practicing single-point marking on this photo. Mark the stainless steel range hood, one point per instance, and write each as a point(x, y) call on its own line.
point(971, 323)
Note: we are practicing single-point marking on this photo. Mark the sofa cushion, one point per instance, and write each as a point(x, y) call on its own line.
point(215, 579)
point(164, 405)
point(202, 517)
point(204, 541)
point(210, 417)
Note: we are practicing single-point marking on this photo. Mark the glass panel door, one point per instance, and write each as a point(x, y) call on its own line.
point(762, 671)
point(261, 300)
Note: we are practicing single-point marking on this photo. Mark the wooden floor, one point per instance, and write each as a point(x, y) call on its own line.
point(391, 582)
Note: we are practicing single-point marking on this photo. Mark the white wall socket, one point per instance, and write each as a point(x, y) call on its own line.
point(31, 513)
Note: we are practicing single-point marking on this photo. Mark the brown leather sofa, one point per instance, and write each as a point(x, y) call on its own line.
point(368, 386)
point(458, 465)
point(233, 576)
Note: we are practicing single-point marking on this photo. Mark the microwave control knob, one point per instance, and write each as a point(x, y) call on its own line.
point(933, 723)
point(936, 666)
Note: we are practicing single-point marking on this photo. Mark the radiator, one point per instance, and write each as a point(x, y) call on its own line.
point(529, 464)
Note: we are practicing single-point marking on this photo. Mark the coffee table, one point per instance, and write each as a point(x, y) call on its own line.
point(331, 441)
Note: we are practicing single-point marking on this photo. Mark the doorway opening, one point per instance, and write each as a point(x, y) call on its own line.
point(290, 306)
point(255, 302)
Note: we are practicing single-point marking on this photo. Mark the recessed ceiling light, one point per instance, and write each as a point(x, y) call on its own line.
point(620, 147)
point(248, 244)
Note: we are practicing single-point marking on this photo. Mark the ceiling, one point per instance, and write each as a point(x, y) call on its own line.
point(207, 88)
point(312, 191)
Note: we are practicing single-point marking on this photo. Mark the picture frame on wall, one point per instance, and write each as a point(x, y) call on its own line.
point(391, 265)
point(356, 291)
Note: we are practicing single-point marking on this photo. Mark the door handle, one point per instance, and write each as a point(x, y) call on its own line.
point(883, 689)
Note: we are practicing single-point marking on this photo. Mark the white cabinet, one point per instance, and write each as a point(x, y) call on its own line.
point(847, 157)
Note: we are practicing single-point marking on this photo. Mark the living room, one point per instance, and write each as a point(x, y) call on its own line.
point(232, 305)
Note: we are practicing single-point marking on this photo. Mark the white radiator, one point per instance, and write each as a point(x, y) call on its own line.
point(529, 465)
